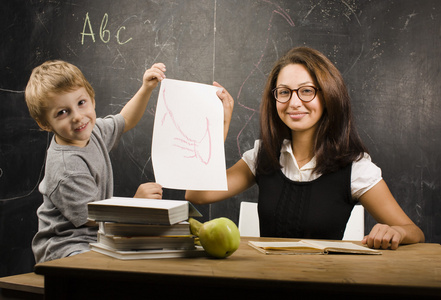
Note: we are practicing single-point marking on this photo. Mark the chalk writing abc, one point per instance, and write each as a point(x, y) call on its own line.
point(104, 33)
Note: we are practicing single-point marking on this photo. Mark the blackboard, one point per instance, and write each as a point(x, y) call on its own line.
point(387, 51)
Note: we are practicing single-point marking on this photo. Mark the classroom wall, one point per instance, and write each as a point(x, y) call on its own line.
point(387, 51)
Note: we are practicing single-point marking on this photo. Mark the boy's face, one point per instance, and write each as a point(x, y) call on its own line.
point(71, 117)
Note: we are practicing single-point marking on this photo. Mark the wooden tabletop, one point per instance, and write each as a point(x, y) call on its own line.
point(29, 282)
point(413, 270)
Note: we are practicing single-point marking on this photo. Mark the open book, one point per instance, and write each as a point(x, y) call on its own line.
point(311, 247)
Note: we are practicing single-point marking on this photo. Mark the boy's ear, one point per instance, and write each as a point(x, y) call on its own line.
point(44, 127)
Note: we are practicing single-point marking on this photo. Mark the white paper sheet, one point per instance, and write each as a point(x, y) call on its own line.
point(188, 137)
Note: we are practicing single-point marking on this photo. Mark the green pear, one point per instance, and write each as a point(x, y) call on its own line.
point(219, 237)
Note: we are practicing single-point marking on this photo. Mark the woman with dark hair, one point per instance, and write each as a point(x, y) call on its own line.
point(310, 165)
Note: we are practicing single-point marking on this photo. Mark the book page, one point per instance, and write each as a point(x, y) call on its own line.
point(141, 202)
point(310, 247)
point(283, 245)
point(285, 248)
point(346, 246)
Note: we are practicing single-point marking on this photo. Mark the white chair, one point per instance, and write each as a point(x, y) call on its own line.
point(249, 222)
point(248, 219)
point(355, 227)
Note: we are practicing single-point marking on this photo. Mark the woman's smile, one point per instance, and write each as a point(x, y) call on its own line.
point(297, 115)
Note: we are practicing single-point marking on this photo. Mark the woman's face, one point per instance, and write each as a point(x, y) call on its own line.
point(299, 116)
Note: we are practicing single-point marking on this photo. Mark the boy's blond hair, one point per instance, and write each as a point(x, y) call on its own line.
point(52, 77)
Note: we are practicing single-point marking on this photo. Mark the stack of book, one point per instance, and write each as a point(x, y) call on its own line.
point(133, 228)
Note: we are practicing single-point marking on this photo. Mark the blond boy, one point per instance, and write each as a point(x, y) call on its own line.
point(78, 169)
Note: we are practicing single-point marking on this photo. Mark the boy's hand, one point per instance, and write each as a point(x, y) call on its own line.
point(154, 75)
point(149, 190)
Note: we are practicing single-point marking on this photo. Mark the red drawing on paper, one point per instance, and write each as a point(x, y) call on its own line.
point(200, 149)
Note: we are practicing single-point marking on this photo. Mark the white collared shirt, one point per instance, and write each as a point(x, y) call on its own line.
point(365, 174)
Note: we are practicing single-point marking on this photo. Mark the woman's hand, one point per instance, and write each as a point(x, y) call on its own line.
point(228, 104)
point(381, 205)
point(384, 236)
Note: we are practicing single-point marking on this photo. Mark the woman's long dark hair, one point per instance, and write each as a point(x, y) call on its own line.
point(337, 142)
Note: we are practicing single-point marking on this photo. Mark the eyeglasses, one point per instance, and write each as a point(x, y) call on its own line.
point(305, 93)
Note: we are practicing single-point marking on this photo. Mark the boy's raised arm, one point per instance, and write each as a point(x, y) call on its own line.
point(134, 109)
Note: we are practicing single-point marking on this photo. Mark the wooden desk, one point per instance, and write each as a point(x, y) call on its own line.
point(412, 271)
point(23, 286)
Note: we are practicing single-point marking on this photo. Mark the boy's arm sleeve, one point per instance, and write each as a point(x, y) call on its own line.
point(72, 195)
point(111, 129)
